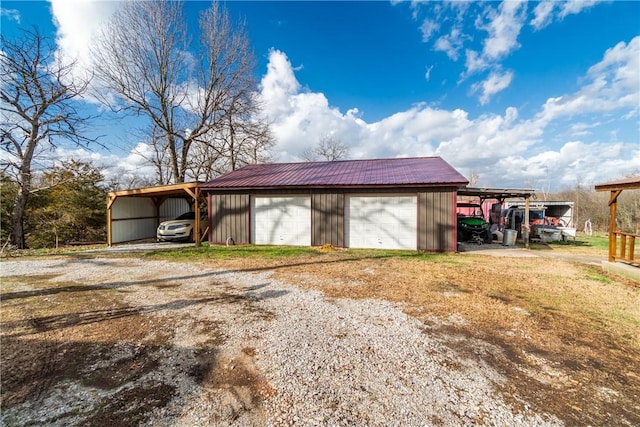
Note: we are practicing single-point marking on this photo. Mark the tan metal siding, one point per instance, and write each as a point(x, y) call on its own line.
point(172, 208)
point(132, 219)
point(436, 218)
point(327, 219)
point(229, 215)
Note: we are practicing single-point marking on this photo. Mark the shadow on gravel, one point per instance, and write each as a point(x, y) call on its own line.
point(47, 323)
point(36, 325)
point(103, 286)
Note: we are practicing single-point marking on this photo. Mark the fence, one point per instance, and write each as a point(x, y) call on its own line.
point(623, 248)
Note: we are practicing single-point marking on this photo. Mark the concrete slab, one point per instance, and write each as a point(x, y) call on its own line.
point(622, 269)
point(142, 247)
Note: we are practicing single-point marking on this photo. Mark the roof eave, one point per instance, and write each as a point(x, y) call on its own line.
point(347, 187)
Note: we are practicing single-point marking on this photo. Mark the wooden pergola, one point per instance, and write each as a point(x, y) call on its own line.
point(627, 240)
point(158, 195)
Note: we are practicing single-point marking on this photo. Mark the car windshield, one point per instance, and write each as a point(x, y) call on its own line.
point(187, 215)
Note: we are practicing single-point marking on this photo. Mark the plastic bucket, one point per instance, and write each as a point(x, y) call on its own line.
point(509, 237)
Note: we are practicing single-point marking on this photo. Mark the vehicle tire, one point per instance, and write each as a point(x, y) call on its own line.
point(191, 236)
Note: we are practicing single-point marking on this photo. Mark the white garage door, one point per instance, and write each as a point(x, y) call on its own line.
point(281, 221)
point(382, 222)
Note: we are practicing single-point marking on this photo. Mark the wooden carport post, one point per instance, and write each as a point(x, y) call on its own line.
point(196, 208)
point(110, 199)
point(613, 214)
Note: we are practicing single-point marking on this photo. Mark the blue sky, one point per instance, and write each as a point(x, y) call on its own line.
point(522, 94)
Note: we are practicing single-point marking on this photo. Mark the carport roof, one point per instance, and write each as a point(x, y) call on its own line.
point(622, 184)
point(400, 172)
point(497, 193)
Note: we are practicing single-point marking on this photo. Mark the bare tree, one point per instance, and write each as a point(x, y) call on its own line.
point(244, 140)
point(37, 95)
point(474, 178)
point(237, 144)
point(143, 56)
point(158, 157)
point(328, 148)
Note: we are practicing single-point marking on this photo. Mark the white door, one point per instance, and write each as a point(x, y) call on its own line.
point(382, 222)
point(281, 221)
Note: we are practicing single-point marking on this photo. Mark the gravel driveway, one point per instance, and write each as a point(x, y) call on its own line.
point(271, 353)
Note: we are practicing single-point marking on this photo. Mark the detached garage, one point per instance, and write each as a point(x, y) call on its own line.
point(404, 203)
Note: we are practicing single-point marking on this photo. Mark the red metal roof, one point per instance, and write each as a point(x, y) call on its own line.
point(420, 171)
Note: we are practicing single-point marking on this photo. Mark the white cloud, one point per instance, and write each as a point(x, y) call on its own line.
point(549, 10)
point(496, 82)
point(12, 14)
point(572, 7)
point(543, 14)
point(427, 73)
point(611, 85)
point(113, 167)
point(498, 28)
point(77, 22)
point(506, 150)
point(475, 62)
point(504, 28)
point(427, 28)
point(450, 43)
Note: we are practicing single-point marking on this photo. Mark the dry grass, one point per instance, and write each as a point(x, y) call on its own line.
point(565, 334)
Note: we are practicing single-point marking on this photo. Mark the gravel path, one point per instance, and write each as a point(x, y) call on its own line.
point(325, 362)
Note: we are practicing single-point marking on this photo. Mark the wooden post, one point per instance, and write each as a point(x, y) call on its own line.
point(110, 199)
point(198, 237)
point(526, 228)
point(613, 214)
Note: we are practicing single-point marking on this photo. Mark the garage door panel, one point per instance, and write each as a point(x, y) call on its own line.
point(384, 222)
point(281, 221)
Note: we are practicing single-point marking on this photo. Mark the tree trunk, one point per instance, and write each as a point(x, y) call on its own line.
point(17, 236)
point(17, 216)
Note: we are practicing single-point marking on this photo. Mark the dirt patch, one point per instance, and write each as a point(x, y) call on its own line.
point(115, 352)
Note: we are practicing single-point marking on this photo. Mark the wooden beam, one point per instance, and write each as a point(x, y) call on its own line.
point(110, 199)
point(191, 193)
point(163, 190)
point(614, 196)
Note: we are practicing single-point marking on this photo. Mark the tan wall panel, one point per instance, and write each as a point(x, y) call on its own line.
point(436, 221)
point(229, 215)
point(327, 219)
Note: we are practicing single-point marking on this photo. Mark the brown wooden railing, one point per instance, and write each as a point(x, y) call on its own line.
point(625, 250)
